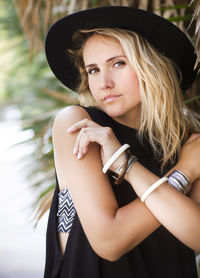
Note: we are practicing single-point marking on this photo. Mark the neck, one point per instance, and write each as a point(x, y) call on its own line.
point(130, 119)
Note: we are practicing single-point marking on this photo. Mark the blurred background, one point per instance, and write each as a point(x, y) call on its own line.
point(30, 97)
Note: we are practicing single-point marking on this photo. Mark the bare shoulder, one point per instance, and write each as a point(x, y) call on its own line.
point(63, 142)
point(71, 114)
point(68, 116)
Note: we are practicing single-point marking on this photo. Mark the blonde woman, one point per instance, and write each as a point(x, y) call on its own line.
point(127, 201)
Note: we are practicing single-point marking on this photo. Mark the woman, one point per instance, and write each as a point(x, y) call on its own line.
point(139, 215)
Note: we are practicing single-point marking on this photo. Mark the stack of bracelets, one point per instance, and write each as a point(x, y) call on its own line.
point(176, 179)
point(126, 165)
point(179, 181)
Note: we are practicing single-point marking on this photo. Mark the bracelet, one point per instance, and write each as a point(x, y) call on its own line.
point(176, 184)
point(179, 181)
point(125, 167)
point(131, 161)
point(183, 176)
point(152, 188)
point(122, 169)
point(114, 157)
point(127, 156)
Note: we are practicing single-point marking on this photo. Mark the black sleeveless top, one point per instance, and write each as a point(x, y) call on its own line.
point(159, 255)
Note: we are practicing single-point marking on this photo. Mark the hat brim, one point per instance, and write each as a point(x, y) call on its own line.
point(162, 34)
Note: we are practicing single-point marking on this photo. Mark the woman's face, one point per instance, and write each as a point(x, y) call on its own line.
point(112, 80)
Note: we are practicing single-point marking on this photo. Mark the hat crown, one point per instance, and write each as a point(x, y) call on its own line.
point(162, 34)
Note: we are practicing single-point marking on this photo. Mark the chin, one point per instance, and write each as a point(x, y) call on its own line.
point(113, 113)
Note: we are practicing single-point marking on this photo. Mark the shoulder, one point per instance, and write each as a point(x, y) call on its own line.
point(68, 116)
point(74, 113)
point(64, 142)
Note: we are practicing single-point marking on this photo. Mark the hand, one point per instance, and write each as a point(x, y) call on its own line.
point(189, 160)
point(89, 131)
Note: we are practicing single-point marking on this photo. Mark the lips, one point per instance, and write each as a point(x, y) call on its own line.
point(110, 98)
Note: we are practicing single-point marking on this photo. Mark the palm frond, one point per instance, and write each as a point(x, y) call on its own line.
point(43, 203)
point(196, 17)
point(60, 96)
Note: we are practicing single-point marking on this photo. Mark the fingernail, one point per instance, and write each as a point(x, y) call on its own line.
point(69, 129)
point(79, 155)
point(75, 151)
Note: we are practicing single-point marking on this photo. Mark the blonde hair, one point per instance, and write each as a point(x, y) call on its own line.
point(165, 120)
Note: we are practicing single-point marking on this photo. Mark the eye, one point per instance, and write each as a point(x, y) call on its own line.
point(92, 70)
point(119, 64)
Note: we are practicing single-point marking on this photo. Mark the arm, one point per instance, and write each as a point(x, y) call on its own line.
point(195, 191)
point(177, 213)
point(97, 208)
point(100, 216)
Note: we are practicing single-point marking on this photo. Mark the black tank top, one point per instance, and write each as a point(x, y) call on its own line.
point(160, 255)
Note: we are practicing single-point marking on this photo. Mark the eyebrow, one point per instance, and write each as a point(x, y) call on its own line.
point(108, 60)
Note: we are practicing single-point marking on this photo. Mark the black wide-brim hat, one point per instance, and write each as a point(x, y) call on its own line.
point(162, 34)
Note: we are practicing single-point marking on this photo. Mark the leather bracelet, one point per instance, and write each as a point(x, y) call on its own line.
point(122, 169)
point(125, 167)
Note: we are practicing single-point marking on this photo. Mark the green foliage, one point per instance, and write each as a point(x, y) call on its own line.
point(9, 23)
point(26, 75)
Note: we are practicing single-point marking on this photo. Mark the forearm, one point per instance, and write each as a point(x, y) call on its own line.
point(119, 232)
point(175, 211)
point(131, 225)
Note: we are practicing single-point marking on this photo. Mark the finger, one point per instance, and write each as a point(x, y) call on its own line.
point(76, 149)
point(91, 135)
point(88, 135)
point(80, 124)
point(83, 144)
point(100, 135)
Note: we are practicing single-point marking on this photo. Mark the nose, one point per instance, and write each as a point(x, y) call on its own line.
point(106, 81)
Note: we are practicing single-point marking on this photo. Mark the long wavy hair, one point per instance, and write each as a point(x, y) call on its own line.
point(165, 120)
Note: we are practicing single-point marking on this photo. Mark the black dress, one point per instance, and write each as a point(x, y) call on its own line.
point(160, 255)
